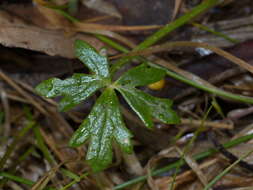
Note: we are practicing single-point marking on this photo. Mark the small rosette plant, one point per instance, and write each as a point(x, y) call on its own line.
point(104, 125)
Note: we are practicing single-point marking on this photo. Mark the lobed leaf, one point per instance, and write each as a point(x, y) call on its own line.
point(141, 75)
point(103, 126)
point(91, 58)
point(148, 107)
point(74, 89)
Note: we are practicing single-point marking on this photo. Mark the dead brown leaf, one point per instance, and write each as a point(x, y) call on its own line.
point(14, 32)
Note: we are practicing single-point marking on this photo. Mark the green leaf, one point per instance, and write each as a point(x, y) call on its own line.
point(91, 58)
point(148, 107)
point(103, 126)
point(74, 89)
point(80, 86)
point(141, 75)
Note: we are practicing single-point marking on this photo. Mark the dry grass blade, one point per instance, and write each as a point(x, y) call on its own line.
point(239, 113)
point(103, 6)
point(54, 18)
point(153, 161)
point(97, 19)
point(171, 45)
point(169, 65)
point(58, 21)
point(198, 82)
point(62, 154)
point(172, 66)
point(22, 92)
point(6, 107)
point(184, 177)
point(219, 125)
point(44, 3)
point(241, 87)
point(225, 171)
point(41, 184)
point(243, 188)
point(177, 6)
point(31, 89)
point(215, 79)
point(195, 167)
point(90, 26)
point(17, 98)
point(110, 34)
point(133, 164)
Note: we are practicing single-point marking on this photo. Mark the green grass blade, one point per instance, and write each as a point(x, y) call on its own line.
point(190, 144)
point(70, 174)
point(1, 118)
point(42, 146)
point(113, 44)
point(224, 172)
point(180, 163)
point(204, 6)
point(177, 23)
point(21, 180)
point(11, 148)
point(216, 33)
point(215, 91)
point(13, 168)
point(74, 181)
point(16, 178)
point(176, 76)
